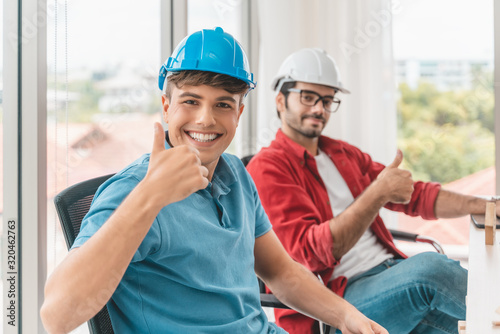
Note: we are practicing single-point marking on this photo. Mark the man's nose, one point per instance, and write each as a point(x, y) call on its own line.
point(205, 117)
point(318, 107)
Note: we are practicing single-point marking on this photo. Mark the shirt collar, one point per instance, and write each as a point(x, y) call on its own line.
point(294, 148)
point(223, 177)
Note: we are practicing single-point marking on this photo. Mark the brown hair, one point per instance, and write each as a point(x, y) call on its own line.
point(212, 79)
point(284, 91)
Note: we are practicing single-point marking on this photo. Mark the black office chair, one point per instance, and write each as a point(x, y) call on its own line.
point(72, 204)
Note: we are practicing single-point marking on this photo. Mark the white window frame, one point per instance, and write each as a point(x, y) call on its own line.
point(25, 80)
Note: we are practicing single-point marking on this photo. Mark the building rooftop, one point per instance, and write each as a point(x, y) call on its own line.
point(452, 231)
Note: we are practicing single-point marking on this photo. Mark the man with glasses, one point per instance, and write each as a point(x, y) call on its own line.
point(323, 198)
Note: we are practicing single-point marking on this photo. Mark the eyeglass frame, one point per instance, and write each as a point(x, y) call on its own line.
point(335, 100)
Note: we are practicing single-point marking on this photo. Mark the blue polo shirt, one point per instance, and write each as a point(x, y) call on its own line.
point(194, 270)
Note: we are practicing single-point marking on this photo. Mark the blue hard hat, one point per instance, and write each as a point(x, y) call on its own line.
point(209, 50)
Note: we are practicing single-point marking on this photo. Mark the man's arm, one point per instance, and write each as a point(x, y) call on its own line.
point(392, 185)
point(100, 263)
point(297, 287)
point(450, 204)
point(297, 217)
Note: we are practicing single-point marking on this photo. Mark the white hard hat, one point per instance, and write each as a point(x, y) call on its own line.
point(312, 65)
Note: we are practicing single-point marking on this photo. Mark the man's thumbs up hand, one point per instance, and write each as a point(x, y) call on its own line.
point(397, 160)
point(397, 183)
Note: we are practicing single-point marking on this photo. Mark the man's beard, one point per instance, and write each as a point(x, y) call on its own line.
point(311, 133)
point(307, 132)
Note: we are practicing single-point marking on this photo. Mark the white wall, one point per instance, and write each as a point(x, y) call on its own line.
point(358, 35)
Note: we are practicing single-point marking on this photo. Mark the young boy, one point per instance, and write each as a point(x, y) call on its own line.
point(172, 243)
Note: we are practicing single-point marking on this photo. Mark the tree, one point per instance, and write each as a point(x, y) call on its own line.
point(445, 135)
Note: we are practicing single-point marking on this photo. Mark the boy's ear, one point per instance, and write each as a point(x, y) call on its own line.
point(166, 104)
point(240, 111)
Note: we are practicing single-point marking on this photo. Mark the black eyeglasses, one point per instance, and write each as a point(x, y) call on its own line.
point(309, 98)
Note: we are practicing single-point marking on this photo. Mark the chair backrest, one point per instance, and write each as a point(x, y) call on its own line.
point(246, 159)
point(72, 204)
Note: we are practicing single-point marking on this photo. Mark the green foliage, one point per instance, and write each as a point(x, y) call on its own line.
point(446, 135)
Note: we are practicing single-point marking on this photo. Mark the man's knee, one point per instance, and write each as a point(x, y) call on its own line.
point(437, 268)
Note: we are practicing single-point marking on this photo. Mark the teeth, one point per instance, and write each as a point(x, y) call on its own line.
point(202, 137)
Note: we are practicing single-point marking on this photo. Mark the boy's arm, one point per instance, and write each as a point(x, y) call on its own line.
point(297, 287)
point(84, 282)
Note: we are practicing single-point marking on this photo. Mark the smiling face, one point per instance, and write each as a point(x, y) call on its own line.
point(203, 117)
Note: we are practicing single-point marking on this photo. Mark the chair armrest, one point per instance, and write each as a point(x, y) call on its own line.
point(406, 236)
point(269, 300)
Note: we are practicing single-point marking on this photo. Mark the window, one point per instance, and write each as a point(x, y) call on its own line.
point(102, 94)
point(446, 107)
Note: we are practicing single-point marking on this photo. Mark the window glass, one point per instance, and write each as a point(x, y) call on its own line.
point(444, 65)
point(103, 61)
point(203, 14)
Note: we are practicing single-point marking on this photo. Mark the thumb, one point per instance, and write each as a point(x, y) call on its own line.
point(159, 139)
point(397, 160)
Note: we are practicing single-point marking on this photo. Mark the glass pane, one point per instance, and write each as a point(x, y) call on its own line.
point(444, 60)
point(208, 14)
point(102, 93)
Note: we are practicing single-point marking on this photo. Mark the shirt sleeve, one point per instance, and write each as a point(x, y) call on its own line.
point(422, 201)
point(294, 216)
point(107, 199)
point(424, 194)
point(251, 196)
point(262, 223)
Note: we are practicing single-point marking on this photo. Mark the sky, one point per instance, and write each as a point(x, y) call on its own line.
point(103, 32)
point(443, 29)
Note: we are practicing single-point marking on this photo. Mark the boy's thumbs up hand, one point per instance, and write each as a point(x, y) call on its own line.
point(173, 174)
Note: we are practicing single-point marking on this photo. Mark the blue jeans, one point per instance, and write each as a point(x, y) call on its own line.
point(422, 294)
